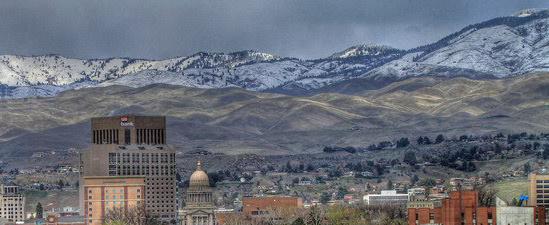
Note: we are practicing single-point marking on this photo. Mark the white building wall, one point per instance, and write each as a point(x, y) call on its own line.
point(515, 215)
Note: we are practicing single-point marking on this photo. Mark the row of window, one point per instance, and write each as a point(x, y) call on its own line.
point(13, 211)
point(154, 170)
point(109, 136)
point(542, 181)
point(143, 136)
point(117, 158)
point(150, 136)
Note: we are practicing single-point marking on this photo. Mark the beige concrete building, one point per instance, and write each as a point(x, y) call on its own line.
point(129, 145)
point(199, 208)
point(12, 203)
point(105, 193)
point(514, 214)
point(538, 189)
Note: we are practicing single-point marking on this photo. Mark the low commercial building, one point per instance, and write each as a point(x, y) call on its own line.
point(388, 197)
point(529, 215)
point(106, 193)
point(461, 207)
point(257, 206)
point(59, 219)
point(421, 201)
point(416, 191)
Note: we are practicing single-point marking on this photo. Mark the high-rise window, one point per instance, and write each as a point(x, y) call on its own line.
point(127, 136)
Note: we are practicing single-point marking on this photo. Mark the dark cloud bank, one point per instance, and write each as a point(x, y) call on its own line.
point(299, 28)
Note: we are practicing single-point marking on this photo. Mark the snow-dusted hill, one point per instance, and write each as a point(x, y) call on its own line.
point(47, 75)
point(500, 47)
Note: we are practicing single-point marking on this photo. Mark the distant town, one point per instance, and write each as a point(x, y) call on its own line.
point(131, 175)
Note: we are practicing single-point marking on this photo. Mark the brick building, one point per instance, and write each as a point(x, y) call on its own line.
point(105, 193)
point(258, 206)
point(460, 208)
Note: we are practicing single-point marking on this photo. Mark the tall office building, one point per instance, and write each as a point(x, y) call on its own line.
point(538, 189)
point(129, 146)
point(12, 203)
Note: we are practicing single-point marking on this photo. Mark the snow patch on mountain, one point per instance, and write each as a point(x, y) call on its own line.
point(500, 47)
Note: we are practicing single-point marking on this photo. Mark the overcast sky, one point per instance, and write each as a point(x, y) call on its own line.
point(157, 29)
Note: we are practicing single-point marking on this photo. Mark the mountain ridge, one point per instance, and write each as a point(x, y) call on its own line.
point(500, 47)
point(235, 120)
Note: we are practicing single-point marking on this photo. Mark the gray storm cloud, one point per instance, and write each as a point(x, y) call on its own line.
point(299, 28)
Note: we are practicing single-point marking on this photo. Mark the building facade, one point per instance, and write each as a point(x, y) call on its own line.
point(388, 197)
point(259, 208)
point(538, 189)
point(199, 205)
point(460, 208)
point(12, 203)
point(106, 193)
point(127, 146)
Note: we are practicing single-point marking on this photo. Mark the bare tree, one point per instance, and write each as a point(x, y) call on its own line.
point(236, 219)
point(486, 196)
point(132, 216)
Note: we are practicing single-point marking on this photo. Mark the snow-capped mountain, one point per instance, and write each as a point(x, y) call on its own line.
point(500, 47)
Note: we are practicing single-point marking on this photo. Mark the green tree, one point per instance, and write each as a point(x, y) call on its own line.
point(341, 192)
point(39, 210)
point(410, 158)
point(60, 183)
point(414, 179)
point(545, 153)
point(527, 168)
point(514, 202)
point(403, 142)
point(439, 139)
point(390, 185)
point(536, 145)
point(420, 140)
point(426, 141)
point(325, 198)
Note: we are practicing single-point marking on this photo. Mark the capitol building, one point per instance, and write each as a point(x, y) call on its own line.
point(199, 208)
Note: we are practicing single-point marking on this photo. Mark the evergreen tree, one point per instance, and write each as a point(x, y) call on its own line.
point(414, 179)
point(420, 140)
point(545, 153)
point(325, 198)
point(439, 139)
point(527, 168)
point(60, 183)
point(390, 185)
point(403, 142)
point(536, 145)
point(410, 158)
point(514, 202)
point(288, 167)
point(39, 210)
point(426, 141)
